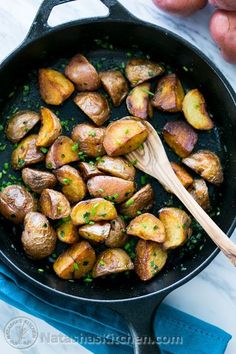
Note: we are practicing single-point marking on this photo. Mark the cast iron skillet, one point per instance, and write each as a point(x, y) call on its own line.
point(43, 47)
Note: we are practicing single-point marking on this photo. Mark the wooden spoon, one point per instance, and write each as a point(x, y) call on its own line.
point(152, 159)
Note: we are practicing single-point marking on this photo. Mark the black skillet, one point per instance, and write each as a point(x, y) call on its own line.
point(135, 300)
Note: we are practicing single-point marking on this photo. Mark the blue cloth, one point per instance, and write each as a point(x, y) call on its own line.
point(186, 334)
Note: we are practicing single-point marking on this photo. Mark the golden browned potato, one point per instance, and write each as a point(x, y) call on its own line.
point(50, 128)
point(150, 259)
point(184, 177)
point(169, 94)
point(76, 261)
point(116, 166)
point(62, 152)
point(199, 191)
point(54, 204)
point(73, 186)
point(54, 87)
point(138, 103)
point(115, 84)
point(180, 137)
point(94, 105)
point(97, 209)
point(124, 136)
point(67, 232)
point(82, 73)
point(207, 164)
point(113, 260)
point(113, 188)
point(89, 170)
point(177, 225)
point(194, 108)
point(38, 238)
point(117, 236)
point(26, 153)
point(20, 124)
point(142, 200)
point(38, 180)
point(97, 232)
point(147, 227)
point(16, 202)
point(140, 70)
point(89, 139)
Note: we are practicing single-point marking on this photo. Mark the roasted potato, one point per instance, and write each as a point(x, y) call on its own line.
point(180, 7)
point(116, 85)
point(73, 186)
point(16, 202)
point(116, 166)
point(38, 238)
point(177, 225)
point(150, 259)
point(89, 138)
point(194, 108)
point(184, 177)
point(147, 227)
point(76, 261)
point(54, 87)
point(26, 153)
point(38, 180)
point(89, 170)
point(20, 124)
point(50, 128)
point(113, 260)
point(97, 209)
point(117, 236)
point(180, 137)
point(97, 232)
point(82, 73)
point(61, 153)
point(169, 94)
point(54, 204)
point(199, 191)
point(124, 136)
point(207, 164)
point(139, 70)
point(138, 103)
point(67, 232)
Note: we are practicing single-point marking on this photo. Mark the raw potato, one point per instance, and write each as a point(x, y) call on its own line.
point(38, 180)
point(50, 128)
point(138, 103)
point(97, 209)
point(54, 204)
point(61, 153)
point(124, 136)
point(150, 259)
point(147, 227)
point(26, 153)
point(82, 73)
point(20, 124)
point(54, 87)
point(180, 7)
point(169, 94)
point(76, 261)
point(94, 105)
point(116, 85)
point(139, 70)
point(38, 238)
point(229, 5)
point(116, 166)
point(140, 201)
point(199, 191)
point(112, 188)
point(113, 260)
point(96, 233)
point(89, 138)
point(194, 108)
point(180, 137)
point(89, 170)
point(177, 225)
point(117, 236)
point(16, 202)
point(184, 177)
point(67, 232)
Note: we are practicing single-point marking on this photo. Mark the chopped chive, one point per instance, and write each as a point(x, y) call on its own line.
point(148, 92)
point(44, 150)
point(129, 202)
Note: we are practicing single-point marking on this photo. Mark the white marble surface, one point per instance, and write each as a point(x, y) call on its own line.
point(211, 295)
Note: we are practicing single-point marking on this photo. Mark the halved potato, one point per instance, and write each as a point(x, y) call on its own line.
point(199, 191)
point(89, 139)
point(169, 94)
point(140, 70)
point(180, 136)
point(138, 103)
point(184, 177)
point(67, 232)
point(76, 261)
point(54, 87)
point(50, 128)
point(194, 108)
point(38, 180)
point(116, 166)
point(54, 204)
point(117, 236)
point(177, 225)
point(147, 227)
point(115, 84)
point(89, 170)
point(20, 124)
point(97, 232)
point(113, 260)
point(124, 136)
point(207, 164)
point(61, 153)
point(97, 209)
point(150, 259)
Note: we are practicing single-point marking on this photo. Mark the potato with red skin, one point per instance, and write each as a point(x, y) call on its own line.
point(20, 124)
point(117, 236)
point(115, 84)
point(61, 152)
point(50, 128)
point(89, 170)
point(184, 177)
point(95, 233)
point(180, 7)
point(199, 191)
point(116, 166)
point(138, 71)
point(138, 103)
point(67, 232)
point(229, 5)
point(38, 180)
point(54, 204)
